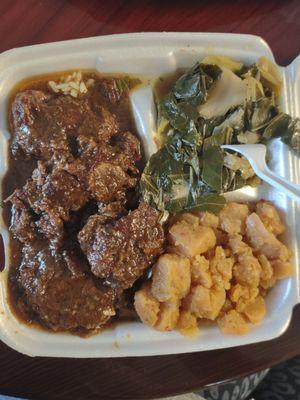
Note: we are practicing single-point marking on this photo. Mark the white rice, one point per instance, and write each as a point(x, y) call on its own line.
point(72, 84)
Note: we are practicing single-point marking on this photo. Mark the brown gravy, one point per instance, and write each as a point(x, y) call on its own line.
point(20, 169)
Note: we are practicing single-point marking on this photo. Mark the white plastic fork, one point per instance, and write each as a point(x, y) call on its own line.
point(256, 155)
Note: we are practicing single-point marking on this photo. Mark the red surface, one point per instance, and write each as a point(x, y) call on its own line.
point(27, 22)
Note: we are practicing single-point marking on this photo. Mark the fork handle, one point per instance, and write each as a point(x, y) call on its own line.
point(290, 189)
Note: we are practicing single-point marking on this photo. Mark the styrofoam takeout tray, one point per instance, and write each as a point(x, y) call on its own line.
point(152, 54)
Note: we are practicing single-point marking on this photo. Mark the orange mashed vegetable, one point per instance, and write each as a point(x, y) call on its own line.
point(216, 268)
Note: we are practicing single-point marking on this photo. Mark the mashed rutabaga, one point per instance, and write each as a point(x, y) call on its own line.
point(216, 268)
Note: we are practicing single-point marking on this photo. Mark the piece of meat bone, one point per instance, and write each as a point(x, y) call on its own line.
point(121, 251)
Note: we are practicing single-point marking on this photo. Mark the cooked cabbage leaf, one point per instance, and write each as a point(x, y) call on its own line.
point(230, 91)
point(224, 62)
point(270, 75)
point(241, 164)
point(248, 137)
point(234, 120)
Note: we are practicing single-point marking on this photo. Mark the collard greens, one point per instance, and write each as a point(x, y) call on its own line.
point(190, 171)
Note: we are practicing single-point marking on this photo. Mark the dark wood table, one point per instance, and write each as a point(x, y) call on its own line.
point(27, 22)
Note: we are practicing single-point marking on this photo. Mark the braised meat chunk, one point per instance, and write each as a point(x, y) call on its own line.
point(123, 250)
point(22, 223)
point(123, 149)
point(82, 238)
point(60, 300)
point(126, 151)
point(60, 193)
point(50, 197)
point(45, 125)
point(52, 227)
point(108, 183)
point(40, 126)
point(99, 126)
point(107, 171)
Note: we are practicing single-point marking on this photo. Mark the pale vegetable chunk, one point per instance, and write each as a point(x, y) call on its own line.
point(223, 62)
point(241, 164)
point(168, 316)
point(146, 306)
point(216, 269)
point(248, 137)
point(270, 217)
point(228, 92)
point(198, 301)
point(233, 323)
point(227, 306)
point(241, 296)
point(187, 324)
point(256, 311)
point(208, 219)
point(267, 279)
point(270, 75)
point(247, 270)
point(204, 302)
point(238, 246)
point(191, 240)
point(171, 277)
point(264, 241)
point(221, 268)
point(200, 272)
point(189, 218)
point(232, 218)
point(282, 269)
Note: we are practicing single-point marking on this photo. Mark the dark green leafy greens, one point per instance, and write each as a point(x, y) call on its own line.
point(188, 172)
point(178, 114)
point(212, 166)
point(192, 87)
point(172, 180)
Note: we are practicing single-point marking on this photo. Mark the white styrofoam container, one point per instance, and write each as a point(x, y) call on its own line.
point(152, 54)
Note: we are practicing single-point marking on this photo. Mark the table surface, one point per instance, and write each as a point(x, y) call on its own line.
point(39, 21)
